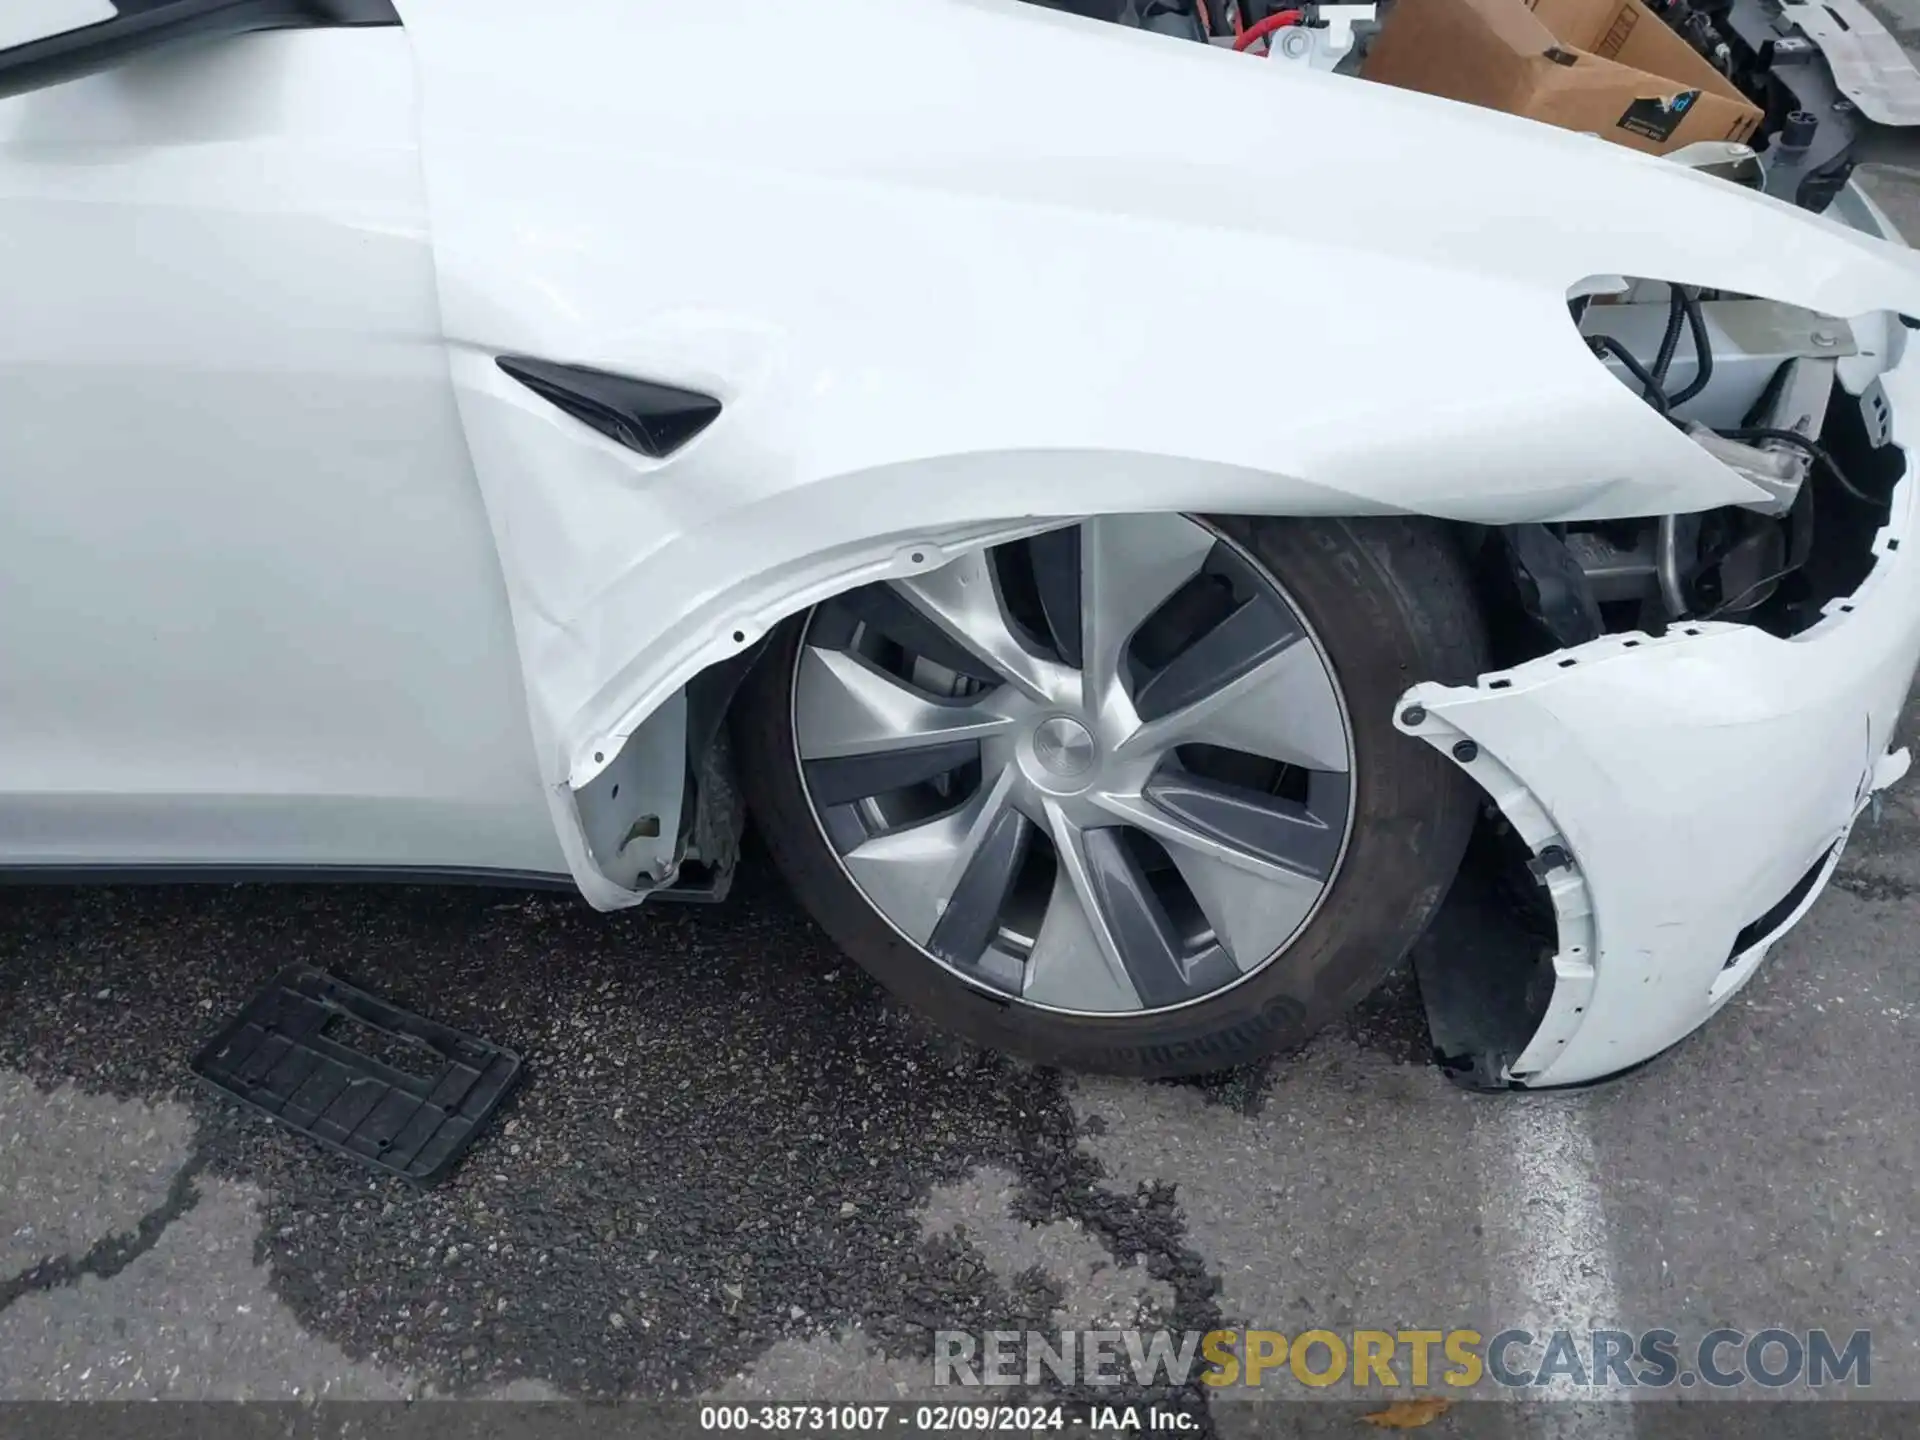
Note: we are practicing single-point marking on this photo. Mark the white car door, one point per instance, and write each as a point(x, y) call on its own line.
point(250, 610)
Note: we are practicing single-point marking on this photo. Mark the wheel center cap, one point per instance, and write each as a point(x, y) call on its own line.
point(1064, 747)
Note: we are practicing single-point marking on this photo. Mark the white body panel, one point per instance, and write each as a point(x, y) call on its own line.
point(294, 574)
point(250, 613)
point(962, 284)
point(26, 20)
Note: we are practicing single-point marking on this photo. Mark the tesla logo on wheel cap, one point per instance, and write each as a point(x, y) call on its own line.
point(1064, 746)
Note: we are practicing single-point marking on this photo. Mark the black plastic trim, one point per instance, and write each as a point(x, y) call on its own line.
point(655, 420)
point(1775, 915)
point(408, 1105)
point(144, 25)
point(19, 875)
point(223, 874)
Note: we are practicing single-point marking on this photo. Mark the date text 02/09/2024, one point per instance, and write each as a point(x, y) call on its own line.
point(946, 1419)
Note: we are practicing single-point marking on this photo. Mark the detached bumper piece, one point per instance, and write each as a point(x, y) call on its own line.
point(1683, 798)
point(362, 1077)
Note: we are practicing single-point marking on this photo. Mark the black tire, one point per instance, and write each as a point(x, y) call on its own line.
point(1392, 605)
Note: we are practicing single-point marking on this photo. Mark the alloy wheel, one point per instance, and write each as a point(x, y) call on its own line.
point(1105, 770)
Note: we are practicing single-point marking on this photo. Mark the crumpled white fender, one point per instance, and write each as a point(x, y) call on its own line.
point(960, 268)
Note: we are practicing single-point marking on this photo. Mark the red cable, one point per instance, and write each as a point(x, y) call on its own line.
point(1279, 20)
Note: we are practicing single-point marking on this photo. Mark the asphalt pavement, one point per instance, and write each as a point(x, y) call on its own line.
point(737, 1170)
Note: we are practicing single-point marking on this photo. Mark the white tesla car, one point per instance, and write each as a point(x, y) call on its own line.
point(1119, 511)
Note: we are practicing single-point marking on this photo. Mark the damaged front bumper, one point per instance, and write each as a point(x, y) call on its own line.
point(1687, 796)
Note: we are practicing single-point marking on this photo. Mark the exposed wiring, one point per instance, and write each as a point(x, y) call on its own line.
point(1739, 600)
point(1607, 345)
point(1279, 20)
point(1813, 450)
point(1683, 311)
point(1702, 349)
point(1669, 345)
point(1799, 548)
point(1686, 307)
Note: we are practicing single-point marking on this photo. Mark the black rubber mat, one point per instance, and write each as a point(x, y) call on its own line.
point(361, 1076)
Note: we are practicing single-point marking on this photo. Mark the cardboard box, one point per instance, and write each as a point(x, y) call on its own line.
point(1610, 67)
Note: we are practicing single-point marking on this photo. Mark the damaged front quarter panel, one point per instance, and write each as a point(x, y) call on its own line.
point(1686, 796)
point(915, 292)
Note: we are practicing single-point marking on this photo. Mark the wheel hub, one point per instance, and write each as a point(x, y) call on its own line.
point(1064, 748)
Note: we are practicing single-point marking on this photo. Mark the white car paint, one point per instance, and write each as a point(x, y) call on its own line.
point(972, 207)
point(26, 20)
point(250, 612)
point(956, 271)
